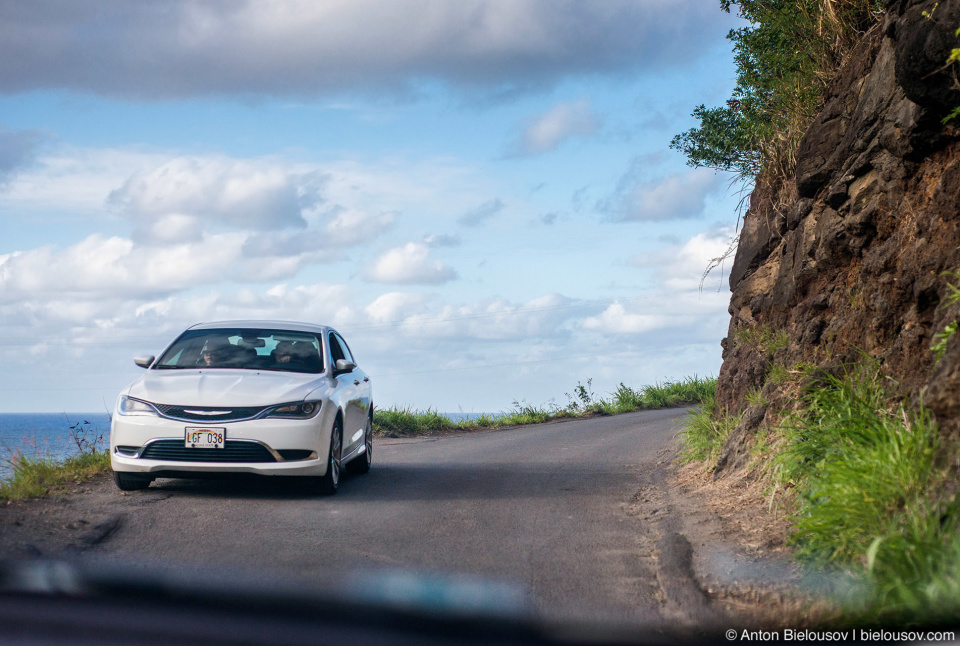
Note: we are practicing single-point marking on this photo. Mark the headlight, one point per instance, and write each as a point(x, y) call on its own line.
point(299, 410)
point(131, 406)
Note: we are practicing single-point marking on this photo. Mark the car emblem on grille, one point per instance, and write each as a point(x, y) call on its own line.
point(207, 412)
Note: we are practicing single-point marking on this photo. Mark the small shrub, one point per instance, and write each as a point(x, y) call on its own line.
point(583, 399)
point(941, 339)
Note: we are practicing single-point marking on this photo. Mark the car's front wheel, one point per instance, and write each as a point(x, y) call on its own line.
point(363, 463)
point(131, 481)
point(330, 481)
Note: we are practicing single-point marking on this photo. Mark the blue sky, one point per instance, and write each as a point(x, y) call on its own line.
point(479, 195)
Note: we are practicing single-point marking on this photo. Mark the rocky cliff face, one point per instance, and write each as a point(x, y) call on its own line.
point(848, 256)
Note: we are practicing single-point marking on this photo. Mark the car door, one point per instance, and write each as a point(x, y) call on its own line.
point(363, 396)
point(349, 385)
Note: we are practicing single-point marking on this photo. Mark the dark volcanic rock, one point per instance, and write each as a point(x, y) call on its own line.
point(923, 44)
point(848, 258)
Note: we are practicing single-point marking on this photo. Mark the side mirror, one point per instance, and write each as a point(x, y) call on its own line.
point(144, 361)
point(343, 366)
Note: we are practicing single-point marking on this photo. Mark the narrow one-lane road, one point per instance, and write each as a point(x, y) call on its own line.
point(546, 507)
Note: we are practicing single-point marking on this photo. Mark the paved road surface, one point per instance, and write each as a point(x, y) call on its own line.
point(544, 506)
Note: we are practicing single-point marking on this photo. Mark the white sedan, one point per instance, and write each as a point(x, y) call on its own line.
point(265, 397)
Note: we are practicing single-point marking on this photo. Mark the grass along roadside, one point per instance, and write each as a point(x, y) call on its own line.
point(36, 477)
point(705, 433)
point(865, 494)
point(33, 477)
point(869, 498)
point(583, 402)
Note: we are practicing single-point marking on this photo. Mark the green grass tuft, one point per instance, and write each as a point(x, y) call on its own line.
point(942, 338)
point(691, 390)
point(705, 432)
point(765, 339)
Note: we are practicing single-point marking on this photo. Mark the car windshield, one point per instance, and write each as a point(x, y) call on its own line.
point(246, 349)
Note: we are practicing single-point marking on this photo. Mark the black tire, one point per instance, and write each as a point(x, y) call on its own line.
point(131, 481)
point(330, 481)
point(362, 464)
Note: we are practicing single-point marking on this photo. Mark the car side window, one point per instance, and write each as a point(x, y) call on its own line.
point(335, 350)
point(346, 350)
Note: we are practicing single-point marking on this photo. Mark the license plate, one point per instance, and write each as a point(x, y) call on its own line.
point(205, 438)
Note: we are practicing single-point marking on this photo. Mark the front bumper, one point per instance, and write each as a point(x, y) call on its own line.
point(309, 437)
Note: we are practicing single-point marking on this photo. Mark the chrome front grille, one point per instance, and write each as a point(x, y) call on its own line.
point(208, 413)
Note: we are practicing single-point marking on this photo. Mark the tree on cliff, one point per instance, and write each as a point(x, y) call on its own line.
point(785, 58)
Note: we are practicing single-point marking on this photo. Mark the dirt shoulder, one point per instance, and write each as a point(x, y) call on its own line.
point(721, 549)
point(71, 522)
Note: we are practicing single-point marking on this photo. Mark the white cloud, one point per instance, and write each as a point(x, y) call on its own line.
point(238, 193)
point(98, 266)
point(395, 306)
point(410, 265)
point(299, 47)
point(541, 318)
point(172, 228)
point(547, 131)
point(682, 266)
point(616, 320)
point(674, 197)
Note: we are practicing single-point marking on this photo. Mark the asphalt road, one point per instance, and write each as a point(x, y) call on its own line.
point(545, 507)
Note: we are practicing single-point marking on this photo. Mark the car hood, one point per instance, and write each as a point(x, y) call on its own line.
point(223, 387)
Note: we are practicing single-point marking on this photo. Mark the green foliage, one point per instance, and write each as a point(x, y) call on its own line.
point(953, 58)
point(705, 432)
point(953, 287)
point(942, 338)
point(583, 399)
point(722, 141)
point(785, 57)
